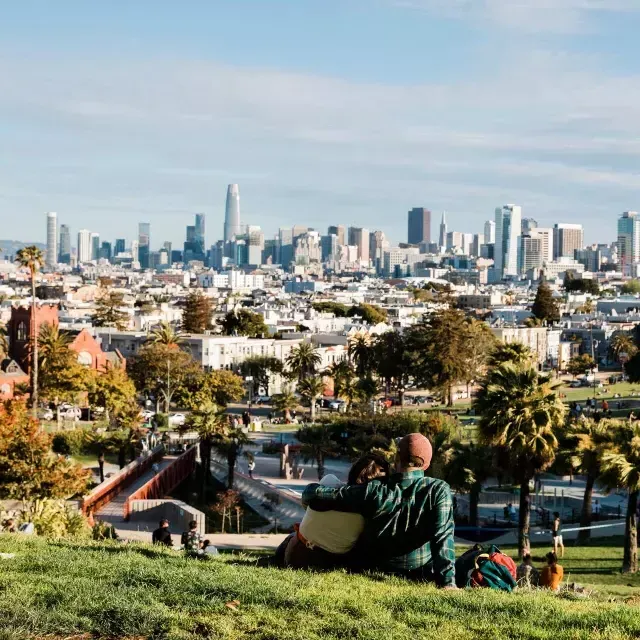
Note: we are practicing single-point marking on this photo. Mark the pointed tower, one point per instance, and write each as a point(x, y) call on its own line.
point(443, 231)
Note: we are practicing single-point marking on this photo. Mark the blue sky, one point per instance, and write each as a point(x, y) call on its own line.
point(325, 112)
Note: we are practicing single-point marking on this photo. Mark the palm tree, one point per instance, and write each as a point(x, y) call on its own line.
point(167, 335)
point(53, 344)
point(32, 258)
point(303, 360)
point(311, 389)
point(587, 441)
point(4, 344)
point(344, 380)
point(316, 445)
point(284, 402)
point(621, 468)
point(520, 411)
point(515, 352)
point(361, 354)
point(621, 343)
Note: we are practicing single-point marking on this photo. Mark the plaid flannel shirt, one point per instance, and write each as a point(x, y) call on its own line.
point(409, 521)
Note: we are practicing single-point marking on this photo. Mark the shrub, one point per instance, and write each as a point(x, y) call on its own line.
point(161, 420)
point(103, 531)
point(54, 519)
point(70, 443)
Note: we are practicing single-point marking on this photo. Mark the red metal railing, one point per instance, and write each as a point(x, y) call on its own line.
point(165, 481)
point(106, 491)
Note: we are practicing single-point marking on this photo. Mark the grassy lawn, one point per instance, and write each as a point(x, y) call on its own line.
point(625, 389)
point(62, 590)
point(92, 461)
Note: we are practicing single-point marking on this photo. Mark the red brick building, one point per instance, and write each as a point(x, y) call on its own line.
point(11, 375)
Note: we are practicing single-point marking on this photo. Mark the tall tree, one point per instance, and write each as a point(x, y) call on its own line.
point(219, 386)
point(344, 380)
point(544, 306)
point(167, 335)
point(109, 311)
point(285, 402)
point(514, 352)
point(303, 360)
point(311, 388)
point(361, 353)
point(586, 442)
point(4, 344)
point(28, 467)
point(113, 390)
point(579, 365)
point(520, 411)
point(479, 343)
point(196, 317)
point(260, 368)
point(623, 343)
point(32, 259)
point(621, 468)
point(243, 322)
point(370, 313)
point(392, 361)
point(316, 445)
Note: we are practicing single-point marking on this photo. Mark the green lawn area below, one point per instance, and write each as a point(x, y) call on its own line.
point(625, 389)
point(59, 590)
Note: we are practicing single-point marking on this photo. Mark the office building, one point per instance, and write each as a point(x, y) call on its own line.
point(419, 225)
point(64, 251)
point(359, 237)
point(95, 246)
point(285, 247)
point(489, 232)
point(339, 231)
point(507, 245)
point(105, 251)
point(531, 253)
point(135, 251)
point(545, 235)
point(84, 246)
point(329, 246)
point(255, 245)
point(200, 232)
point(628, 239)
point(442, 240)
point(307, 248)
point(454, 240)
point(120, 246)
point(527, 225)
point(144, 244)
point(590, 257)
point(52, 240)
point(476, 243)
point(566, 239)
point(232, 213)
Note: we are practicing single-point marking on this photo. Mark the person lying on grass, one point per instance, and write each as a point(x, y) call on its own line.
point(324, 538)
point(408, 517)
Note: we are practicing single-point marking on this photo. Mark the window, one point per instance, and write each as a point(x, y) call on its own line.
point(85, 359)
point(22, 332)
point(5, 390)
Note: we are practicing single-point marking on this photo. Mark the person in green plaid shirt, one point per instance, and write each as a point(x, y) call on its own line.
point(408, 517)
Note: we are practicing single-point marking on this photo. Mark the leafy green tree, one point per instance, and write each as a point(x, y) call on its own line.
point(109, 311)
point(285, 402)
point(28, 467)
point(581, 285)
point(344, 380)
point(260, 368)
point(631, 287)
point(243, 322)
point(317, 445)
point(32, 259)
point(520, 411)
point(514, 352)
point(311, 389)
point(393, 361)
point(113, 390)
point(586, 442)
point(303, 360)
point(480, 342)
point(579, 365)
point(219, 386)
point(370, 313)
point(621, 468)
point(632, 368)
point(198, 310)
point(361, 353)
point(167, 335)
point(544, 306)
point(339, 310)
point(623, 343)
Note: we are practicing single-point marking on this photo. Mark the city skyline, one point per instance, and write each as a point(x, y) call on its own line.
point(530, 105)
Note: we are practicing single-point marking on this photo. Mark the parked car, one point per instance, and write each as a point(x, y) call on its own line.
point(47, 414)
point(177, 419)
point(338, 405)
point(147, 415)
point(262, 400)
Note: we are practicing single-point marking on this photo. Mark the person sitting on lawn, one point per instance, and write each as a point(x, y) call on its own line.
point(527, 575)
point(323, 538)
point(408, 517)
point(162, 535)
point(552, 575)
point(192, 540)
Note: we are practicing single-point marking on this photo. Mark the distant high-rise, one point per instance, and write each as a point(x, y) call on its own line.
point(489, 232)
point(120, 246)
point(199, 236)
point(144, 244)
point(95, 246)
point(232, 213)
point(527, 225)
point(84, 246)
point(52, 240)
point(285, 247)
point(64, 252)
point(537, 248)
point(628, 239)
point(566, 239)
point(507, 245)
point(419, 226)
point(442, 240)
point(340, 232)
point(359, 237)
point(105, 251)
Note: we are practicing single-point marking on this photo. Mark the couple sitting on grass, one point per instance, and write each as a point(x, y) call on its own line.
point(399, 523)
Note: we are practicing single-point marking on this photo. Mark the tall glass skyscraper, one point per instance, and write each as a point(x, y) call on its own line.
point(64, 251)
point(508, 245)
point(52, 239)
point(232, 213)
point(144, 244)
point(84, 246)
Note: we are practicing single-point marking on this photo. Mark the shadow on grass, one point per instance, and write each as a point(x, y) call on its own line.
point(124, 548)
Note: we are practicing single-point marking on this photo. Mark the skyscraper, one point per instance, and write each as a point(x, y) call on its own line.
point(489, 232)
point(144, 244)
point(285, 247)
point(199, 238)
point(120, 246)
point(64, 251)
point(442, 240)
point(340, 232)
point(52, 239)
point(527, 225)
point(419, 225)
point(232, 213)
point(84, 246)
point(359, 237)
point(507, 245)
point(628, 239)
point(95, 246)
point(566, 239)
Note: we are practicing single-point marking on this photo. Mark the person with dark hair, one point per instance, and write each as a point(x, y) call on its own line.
point(162, 535)
point(408, 516)
point(324, 538)
point(552, 575)
point(527, 575)
point(556, 534)
point(192, 540)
